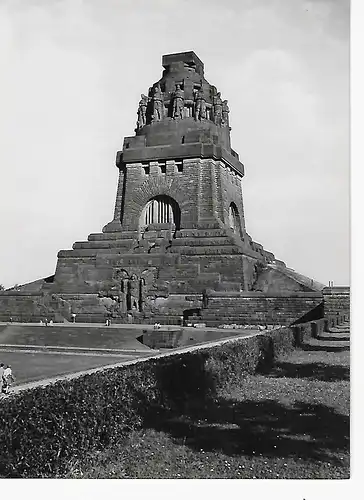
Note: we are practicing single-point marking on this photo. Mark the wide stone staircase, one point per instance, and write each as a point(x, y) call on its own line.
point(338, 335)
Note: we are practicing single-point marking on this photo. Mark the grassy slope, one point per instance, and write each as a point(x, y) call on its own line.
point(290, 423)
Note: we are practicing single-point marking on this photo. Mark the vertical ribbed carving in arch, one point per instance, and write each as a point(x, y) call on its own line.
point(161, 210)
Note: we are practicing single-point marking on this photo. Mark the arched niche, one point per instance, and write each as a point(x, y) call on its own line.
point(161, 210)
point(234, 219)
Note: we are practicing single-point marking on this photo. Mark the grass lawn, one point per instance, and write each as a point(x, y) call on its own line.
point(64, 336)
point(100, 337)
point(292, 423)
point(28, 367)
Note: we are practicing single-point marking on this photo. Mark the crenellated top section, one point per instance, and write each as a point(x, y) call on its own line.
point(181, 116)
point(184, 94)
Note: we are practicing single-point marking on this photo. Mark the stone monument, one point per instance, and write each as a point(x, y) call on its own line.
point(177, 242)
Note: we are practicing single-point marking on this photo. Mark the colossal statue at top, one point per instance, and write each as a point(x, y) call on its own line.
point(142, 111)
point(157, 100)
point(200, 105)
point(178, 102)
point(217, 101)
point(225, 113)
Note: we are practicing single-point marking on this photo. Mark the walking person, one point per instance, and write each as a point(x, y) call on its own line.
point(8, 379)
point(2, 369)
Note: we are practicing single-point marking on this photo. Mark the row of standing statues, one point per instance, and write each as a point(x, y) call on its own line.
point(219, 110)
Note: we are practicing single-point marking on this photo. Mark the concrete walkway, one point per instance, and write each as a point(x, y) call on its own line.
point(72, 349)
point(72, 352)
point(137, 326)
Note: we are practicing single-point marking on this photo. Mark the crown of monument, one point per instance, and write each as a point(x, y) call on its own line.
point(182, 115)
point(182, 93)
point(181, 60)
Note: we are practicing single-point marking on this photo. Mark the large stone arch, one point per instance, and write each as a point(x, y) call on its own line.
point(150, 189)
point(161, 209)
point(159, 187)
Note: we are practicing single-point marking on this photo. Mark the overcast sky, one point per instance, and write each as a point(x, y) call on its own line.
point(72, 72)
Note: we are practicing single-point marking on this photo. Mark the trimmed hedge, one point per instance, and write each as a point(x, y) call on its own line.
point(43, 430)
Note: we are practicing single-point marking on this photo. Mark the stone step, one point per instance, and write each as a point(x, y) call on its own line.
point(125, 235)
point(119, 244)
point(206, 250)
point(319, 344)
point(174, 249)
point(334, 336)
point(338, 329)
point(130, 244)
point(338, 332)
point(201, 233)
point(193, 242)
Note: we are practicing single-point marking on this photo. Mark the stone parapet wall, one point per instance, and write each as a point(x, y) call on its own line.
point(242, 308)
point(336, 301)
point(183, 337)
point(30, 307)
point(258, 308)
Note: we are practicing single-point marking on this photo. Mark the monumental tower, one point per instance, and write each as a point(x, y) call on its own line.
point(178, 233)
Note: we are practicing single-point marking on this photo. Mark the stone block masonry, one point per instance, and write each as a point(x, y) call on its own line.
point(336, 301)
point(258, 308)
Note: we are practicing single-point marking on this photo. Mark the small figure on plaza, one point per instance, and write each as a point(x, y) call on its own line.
point(2, 369)
point(225, 113)
point(217, 102)
point(8, 379)
point(178, 102)
point(157, 101)
point(200, 105)
point(142, 111)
